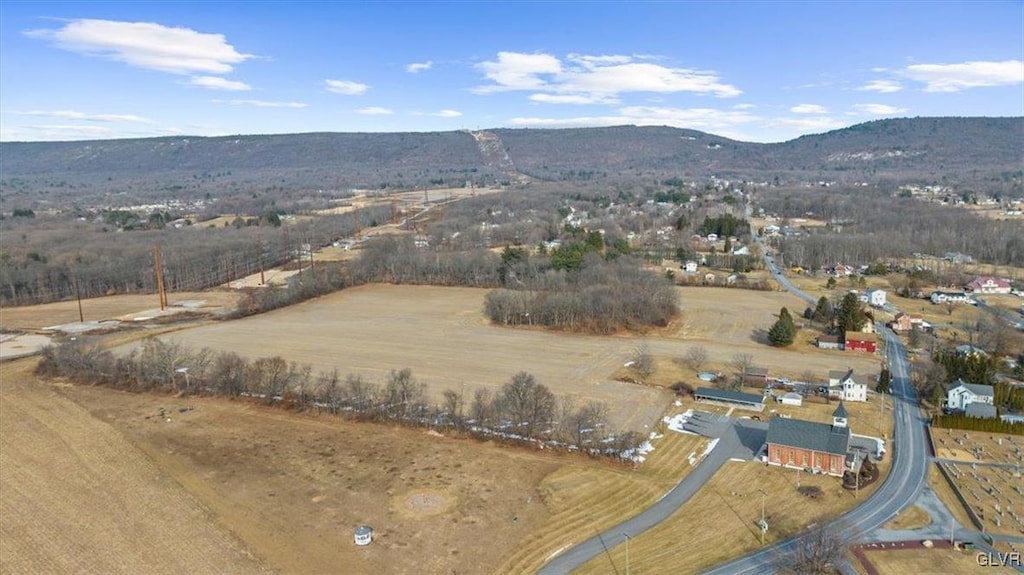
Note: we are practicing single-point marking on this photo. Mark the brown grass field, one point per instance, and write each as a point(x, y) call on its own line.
point(442, 335)
point(976, 492)
point(945, 493)
point(961, 445)
point(77, 497)
point(720, 521)
point(288, 486)
point(35, 317)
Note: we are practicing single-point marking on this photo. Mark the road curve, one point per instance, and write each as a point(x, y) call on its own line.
point(661, 510)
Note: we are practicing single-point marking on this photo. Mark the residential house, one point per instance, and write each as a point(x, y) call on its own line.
point(828, 342)
point(963, 394)
point(856, 341)
point(988, 284)
point(712, 237)
point(845, 386)
point(907, 322)
point(690, 267)
point(938, 297)
point(875, 297)
point(741, 251)
point(818, 447)
point(772, 230)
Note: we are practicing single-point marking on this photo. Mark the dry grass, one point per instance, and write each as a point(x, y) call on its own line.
point(923, 562)
point(720, 522)
point(77, 497)
point(865, 417)
point(910, 518)
point(35, 317)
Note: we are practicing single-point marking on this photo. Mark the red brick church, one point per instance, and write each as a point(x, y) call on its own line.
point(817, 447)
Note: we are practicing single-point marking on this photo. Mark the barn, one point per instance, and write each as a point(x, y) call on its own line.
point(856, 341)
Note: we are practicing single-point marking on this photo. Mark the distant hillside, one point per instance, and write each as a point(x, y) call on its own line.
point(933, 148)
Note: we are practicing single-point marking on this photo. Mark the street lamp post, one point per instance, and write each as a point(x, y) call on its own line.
point(764, 524)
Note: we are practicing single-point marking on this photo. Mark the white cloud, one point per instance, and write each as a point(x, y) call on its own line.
point(517, 71)
point(809, 109)
point(375, 111)
point(572, 99)
point(218, 83)
point(346, 87)
point(879, 109)
point(146, 45)
point(956, 77)
point(70, 131)
point(447, 114)
point(744, 107)
point(75, 115)
point(262, 103)
point(882, 86)
point(594, 78)
point(417, 67)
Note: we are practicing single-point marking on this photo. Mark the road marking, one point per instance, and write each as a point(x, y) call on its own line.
point(563, 548)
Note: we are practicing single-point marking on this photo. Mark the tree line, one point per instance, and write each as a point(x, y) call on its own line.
point(523, 411)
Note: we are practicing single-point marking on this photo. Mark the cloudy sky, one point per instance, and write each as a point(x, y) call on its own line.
point(756, 71)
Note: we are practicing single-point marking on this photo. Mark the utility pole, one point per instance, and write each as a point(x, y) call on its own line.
point(628, 538)
point(158, 266)
point(259, 246)
point(78, 295)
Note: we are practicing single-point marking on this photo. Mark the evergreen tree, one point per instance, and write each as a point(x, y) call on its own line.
point(884, 380)
point(822, 311)
point(851, 316)
point(783, 331)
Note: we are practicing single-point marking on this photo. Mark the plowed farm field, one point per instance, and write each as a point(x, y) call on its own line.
point(77, 497)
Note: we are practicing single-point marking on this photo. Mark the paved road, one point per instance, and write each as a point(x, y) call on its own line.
point(729, 443)
point(905, 481)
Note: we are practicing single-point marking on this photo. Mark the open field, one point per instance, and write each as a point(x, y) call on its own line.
point(721, 520)
point(442, 335)
point(36, 317)
point(77, 497)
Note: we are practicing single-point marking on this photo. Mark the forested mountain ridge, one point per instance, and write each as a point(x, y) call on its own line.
point(956, 149)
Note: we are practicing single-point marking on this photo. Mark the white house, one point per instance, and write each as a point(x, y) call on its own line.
point(741, 251)
point(690, 267)
point(950, 297)
point(963, 394)
point(843, 385)
point(875, 297)
point(988, 284)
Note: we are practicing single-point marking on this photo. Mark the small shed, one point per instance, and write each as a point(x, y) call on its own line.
point(364, 535)
point(791, 398)
point(828, 342)
point(755, 376)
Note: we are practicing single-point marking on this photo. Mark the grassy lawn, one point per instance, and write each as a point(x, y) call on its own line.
point(911, 518)
point(727, 510)
point(924, 562)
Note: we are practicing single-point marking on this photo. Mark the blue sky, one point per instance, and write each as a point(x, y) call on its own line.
point(756, 71)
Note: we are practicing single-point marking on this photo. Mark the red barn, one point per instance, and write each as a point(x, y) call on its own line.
point(856, 341)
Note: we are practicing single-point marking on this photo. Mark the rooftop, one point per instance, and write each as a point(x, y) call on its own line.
point(812, 435)
point(727, 395)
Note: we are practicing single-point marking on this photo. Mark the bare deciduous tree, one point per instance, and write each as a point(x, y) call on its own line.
point(643, 361)
point(696, 356)
point(820, 552)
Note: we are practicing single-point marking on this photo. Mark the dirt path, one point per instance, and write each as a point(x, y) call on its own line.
point(77, 497)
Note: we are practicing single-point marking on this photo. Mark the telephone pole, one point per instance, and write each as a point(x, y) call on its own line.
point(78, 295)
point(158, 265)
point(259, 246)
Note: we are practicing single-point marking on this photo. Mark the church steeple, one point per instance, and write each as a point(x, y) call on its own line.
point(839, 416)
